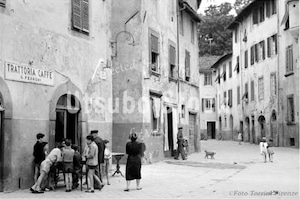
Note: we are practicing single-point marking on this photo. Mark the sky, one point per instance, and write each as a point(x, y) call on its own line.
point(206, 3)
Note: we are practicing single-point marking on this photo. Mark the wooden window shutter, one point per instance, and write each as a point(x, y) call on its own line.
point(213, 104)
point(2, 3)
point(255, 15)
point(252, 90)
point(85, 15)
point(287, 59)
point(252, 55)
point(172, 55)
point(76, 14)
point(187, 64)
point(256, 52)
point(202, 104)
point(154, 44)
point(268, 9)
point(269, 46)
point(275, 41)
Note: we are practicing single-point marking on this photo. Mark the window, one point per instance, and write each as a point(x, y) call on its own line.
point(255, 16)
point(182, 111)
point(268, 9)
point(192, 31)
point(219, 100)
point(2, 3)
point(289, 59)
point(155, 113)
point(80, 15)
point(230, 98)
point(246, 93)
point(262, 50)
point(172, 62)
point(235, 35)
point(225, 98)
point(274, 45)
point(230, 69)
point(207, 79)
point(252, 91)
point(252, 55)
point(290, 109)
point(261, 88)
point(273, 85)
point(181, 23)
point(273, 4)
point(154, 51)
point(246, 59)
point(256, 50)
point(187, 65)
point(208, 104)
point(238, 95)
point(261, 13)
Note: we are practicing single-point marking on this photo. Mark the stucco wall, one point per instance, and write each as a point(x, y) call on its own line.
point(39, 34)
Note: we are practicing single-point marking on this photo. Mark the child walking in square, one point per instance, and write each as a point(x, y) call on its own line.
point(107, 157)
point(68, 155)
point(270, 150)
point(263, 148)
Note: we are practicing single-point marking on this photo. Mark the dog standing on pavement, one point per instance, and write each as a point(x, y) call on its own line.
point(209, 153)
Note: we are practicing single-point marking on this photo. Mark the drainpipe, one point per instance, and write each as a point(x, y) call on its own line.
point(178, 10)
point(278, 86)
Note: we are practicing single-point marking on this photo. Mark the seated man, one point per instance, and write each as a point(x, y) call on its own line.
point(54, 156)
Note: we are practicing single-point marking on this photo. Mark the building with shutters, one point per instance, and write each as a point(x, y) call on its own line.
point(156, 87)
point(207, 87)
point(55, 78)
point(266, 52)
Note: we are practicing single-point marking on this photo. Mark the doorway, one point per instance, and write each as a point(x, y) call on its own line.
point(231, 125)
point(262, 120)
point(253, 129)
point(242, 129)
point(274, 134)
point(170, 132)
point(66, 124)
point(247, 120)
point(192, 141)
point(211, 130)
point(1, 142)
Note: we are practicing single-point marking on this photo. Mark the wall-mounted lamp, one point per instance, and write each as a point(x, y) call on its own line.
point(115, 42)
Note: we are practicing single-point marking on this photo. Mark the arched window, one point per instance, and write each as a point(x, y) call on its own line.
point(66, 124)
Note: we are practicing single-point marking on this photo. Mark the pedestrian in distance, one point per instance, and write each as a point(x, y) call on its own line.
point(92, 163)
point(77, 166)
point(134, 162)
point(240, 138)
point(263, 149)
point(107, 158)
point(54, 156)
point(270, 150)
point(180, 145)
point(68, 167)
point(101, 147)
point(39, 154)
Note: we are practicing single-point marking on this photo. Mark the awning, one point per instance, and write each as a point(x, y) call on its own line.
point(156, 107)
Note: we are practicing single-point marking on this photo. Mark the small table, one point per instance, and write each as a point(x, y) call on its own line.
point(118, 157)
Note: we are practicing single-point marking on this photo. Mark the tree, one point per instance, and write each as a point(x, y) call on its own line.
point(239, 5)
point(214, 37)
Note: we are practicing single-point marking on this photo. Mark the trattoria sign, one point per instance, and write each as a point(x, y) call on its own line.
point(25, 73)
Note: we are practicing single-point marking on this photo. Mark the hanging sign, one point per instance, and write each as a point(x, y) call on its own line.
point(25, 73)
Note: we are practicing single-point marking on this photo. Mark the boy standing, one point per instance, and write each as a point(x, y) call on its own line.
point(263, 148)
point(39, 154)
point(77, 166)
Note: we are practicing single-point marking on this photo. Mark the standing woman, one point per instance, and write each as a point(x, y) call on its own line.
point(134, 163)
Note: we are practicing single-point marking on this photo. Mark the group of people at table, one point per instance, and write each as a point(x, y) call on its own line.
point(96, 158)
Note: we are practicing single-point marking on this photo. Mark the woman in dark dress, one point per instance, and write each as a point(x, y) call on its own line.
point(134, 163)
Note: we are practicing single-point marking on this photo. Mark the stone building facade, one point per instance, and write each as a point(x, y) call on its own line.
point(55, 78)
point(266, 51)
point(156, 87)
